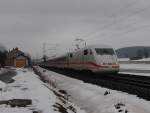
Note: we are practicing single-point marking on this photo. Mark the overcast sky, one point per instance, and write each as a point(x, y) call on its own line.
point(27, 24)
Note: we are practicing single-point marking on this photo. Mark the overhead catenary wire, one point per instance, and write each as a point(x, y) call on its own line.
point(116, 22)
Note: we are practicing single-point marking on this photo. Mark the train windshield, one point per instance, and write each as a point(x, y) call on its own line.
point(104, 51)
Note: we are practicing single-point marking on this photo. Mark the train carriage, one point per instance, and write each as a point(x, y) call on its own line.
point(95, 58)
point(98, 59)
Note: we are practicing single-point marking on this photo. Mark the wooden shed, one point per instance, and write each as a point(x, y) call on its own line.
point(21, 61)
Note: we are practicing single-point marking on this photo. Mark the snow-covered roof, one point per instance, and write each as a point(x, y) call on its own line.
point(99, 46)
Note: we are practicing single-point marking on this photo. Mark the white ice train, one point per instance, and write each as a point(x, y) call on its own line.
point(98, 59)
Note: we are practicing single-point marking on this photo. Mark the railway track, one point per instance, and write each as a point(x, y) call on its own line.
point(132, 84)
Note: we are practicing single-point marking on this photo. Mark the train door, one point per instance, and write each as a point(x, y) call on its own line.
point(85, 59)
point(70, 57)
point(67, 60)
point(80, 60)
point(88, 59)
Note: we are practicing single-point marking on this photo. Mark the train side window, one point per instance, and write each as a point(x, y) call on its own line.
point(71, 55)
point(91, 52)
point(85, 52)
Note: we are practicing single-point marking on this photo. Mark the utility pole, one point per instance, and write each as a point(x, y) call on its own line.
point(44, 55)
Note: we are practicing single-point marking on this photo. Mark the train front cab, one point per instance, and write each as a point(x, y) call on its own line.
point(105, 60)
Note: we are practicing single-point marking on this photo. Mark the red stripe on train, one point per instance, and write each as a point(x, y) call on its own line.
point(90, 63)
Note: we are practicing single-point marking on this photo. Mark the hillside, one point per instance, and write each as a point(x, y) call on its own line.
point(134, 52)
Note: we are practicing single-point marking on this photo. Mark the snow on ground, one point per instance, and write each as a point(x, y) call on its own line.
point(144, 59)
point(2, 85)
point(123, 59)
point(135, 66)
point(135, 69)
point(127, 59)
point(95, 99)
point(45, 99)
point(3, 70)
point(132, 73)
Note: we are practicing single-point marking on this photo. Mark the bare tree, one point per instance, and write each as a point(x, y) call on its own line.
point(3, 56)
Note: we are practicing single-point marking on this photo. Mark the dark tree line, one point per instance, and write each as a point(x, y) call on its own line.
point(143, 53)
point(3, 56)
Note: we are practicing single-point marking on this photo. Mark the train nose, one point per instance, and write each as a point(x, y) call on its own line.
point(108, 63)
point(107, 59)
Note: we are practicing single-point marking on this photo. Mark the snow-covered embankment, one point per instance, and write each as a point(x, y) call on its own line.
point(41, 97)
point(95, 99)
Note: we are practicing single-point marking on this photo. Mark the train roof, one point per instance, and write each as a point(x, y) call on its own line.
point(87, 47)
point(94, 46)
point(98, 46)
point(91, 47)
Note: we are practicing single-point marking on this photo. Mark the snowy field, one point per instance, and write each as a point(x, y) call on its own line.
point(65, 95)
point(133, 73)
point(135, 66)
point(3, 70)
point(95, 99)
point(45, 99)
point(135, 69)
point(127, 59)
